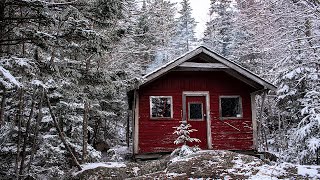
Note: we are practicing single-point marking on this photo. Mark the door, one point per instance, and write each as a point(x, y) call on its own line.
point(196, 116)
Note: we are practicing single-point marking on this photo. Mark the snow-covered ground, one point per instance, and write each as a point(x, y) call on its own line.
point(201, 165)
point(89, 166)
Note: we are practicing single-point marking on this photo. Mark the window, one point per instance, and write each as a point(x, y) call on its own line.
point(161, 106)
point(230, 107)
point(195, 111)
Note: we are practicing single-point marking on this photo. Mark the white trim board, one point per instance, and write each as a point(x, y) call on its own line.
point(208, 120)
point(136, 123)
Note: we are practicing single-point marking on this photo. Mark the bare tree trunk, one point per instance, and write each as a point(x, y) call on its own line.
point(19, 114)
point(25, 137)
point(85, 132)
point(35, 138)
point(2, 24)
point(23, 43)
point(128, 129)
point(263, 133)
point(52, 58)
point(61, 135)
point(3, 103)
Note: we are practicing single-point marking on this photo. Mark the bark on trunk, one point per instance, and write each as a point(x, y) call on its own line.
point(36, 133)
point(25, 137)
point(85, 132)
point(262, 129)
point(61, 135)
point(19, 114)
point(3, 104)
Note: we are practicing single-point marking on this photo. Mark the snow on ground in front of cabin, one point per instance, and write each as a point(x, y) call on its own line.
point(275, 170)
point(309, 171)
point(285, 169)
point(100, 164)
point(252, 168)
point(204, 164)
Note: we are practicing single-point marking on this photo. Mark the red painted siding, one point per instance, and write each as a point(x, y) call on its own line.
point(157, 135)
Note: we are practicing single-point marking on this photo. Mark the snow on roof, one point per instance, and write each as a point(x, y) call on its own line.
point(9, 81)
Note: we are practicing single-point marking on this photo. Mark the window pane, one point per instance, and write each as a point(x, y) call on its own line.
point(195, 111)
point(161, 107)
point(230, 107)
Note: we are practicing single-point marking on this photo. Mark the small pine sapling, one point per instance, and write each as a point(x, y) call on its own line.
point(183, 131)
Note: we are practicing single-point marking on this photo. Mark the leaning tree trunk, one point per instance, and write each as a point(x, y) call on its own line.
point(85, 132)
point(61, 135)
point(3, 103)
point(36, 132)
point(18, 120)
point(25, 138)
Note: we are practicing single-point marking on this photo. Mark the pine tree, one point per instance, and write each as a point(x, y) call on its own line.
point(74, 50)
point(183, 131)
point(219, 34)
point(185, 36)
point(156, 28)
point(288, 56)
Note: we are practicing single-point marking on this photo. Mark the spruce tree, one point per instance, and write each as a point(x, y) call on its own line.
point(156, 29)
point(219, 34)
point(185, 29)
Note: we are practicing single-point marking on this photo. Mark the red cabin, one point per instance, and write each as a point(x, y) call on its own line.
point(215, 95)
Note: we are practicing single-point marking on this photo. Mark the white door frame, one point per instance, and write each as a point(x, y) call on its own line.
point(184, 112)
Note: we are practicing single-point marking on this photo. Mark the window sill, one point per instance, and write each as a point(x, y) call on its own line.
point(231, 118)
point(161, 119)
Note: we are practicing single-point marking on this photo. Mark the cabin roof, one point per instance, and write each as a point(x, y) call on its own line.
point(212, 59)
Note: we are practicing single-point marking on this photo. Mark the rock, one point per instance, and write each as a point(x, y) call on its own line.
point(215, 164)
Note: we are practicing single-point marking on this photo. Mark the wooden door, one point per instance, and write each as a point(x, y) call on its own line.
point(196, 116)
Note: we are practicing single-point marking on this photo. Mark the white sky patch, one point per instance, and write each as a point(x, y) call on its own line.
point(200, 11)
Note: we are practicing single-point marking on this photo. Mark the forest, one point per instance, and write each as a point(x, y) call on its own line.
point(66, 67)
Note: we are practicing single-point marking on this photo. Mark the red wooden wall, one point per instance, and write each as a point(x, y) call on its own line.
point(157, 135)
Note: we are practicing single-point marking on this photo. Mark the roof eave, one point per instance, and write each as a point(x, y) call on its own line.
point(172, 64)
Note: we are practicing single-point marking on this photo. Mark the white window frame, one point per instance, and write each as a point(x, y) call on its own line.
point(202, 119)
point(171, 107)
point(240, 103)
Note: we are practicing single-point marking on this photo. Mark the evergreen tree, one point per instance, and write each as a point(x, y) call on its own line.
point(156, 29)
point(185, 36)
point(72, 50)
point(183, 131)
point(219, 34)
point(287, 55)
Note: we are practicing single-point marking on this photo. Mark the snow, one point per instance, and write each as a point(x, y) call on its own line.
point(135, 170)
point(313, 144)
point(46, 119)
point(7, 75)
point(100, 164)
point(173, 175)
point(38, 83)
point(49, 136)
point(309, 171)
point(22, 62)
point(117, 153)
point(283, 89)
